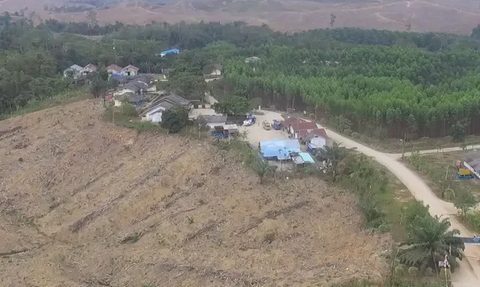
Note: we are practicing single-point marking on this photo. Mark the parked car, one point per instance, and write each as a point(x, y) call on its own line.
point(250, 120)
point(277, 125)
point(266, 125)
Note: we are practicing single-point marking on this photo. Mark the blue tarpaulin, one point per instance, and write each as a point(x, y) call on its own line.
point(306, 157)
point(171, 51)
point(279, 148)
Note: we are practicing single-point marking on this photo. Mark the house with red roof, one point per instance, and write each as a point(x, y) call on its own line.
point(299, 130)
point(90, 68)
point(114, 69)
point(130, 70)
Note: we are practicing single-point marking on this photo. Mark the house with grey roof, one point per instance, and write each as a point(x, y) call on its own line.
point(73, 71)
point(215, 121)
point(155, 110)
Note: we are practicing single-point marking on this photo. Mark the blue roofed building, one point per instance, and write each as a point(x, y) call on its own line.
point(279, 149)
point(171, 51)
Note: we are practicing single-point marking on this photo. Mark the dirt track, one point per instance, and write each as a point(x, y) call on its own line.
point(85, 203)
point(469, 272)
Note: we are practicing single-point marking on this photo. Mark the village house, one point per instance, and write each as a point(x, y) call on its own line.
point(316, 139)
point(73, 71)
point(252, 59)
point(90, 68)
point(114, 69)
point(132, 98)
point(155, 110)
point(301, 129)
point(289, 121)
point(215, 121)
point(137, 85)
point(212, 70)
point(130, 70)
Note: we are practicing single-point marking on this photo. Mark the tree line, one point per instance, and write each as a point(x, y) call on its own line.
point(382, 82)
point(401, 90)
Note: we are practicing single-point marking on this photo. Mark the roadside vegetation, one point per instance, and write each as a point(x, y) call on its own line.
point(423, 239)
point(439, 172)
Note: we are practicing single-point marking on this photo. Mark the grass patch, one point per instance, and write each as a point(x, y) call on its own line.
point(472, 220)
point(439, 171)
point(57, 100)
point(127, 116)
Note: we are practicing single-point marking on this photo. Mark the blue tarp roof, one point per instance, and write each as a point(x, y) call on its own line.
point(279, 148)
point(166, 52)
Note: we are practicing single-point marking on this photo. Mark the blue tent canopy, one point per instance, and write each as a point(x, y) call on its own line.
point(166, 52)
point(279, 148)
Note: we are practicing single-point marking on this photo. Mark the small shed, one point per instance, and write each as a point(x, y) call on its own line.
point(303, 158)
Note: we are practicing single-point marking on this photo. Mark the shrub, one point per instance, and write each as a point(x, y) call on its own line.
point(323, 121)
point(129, 110)
point(175, 119)
point(473, 218)
point(355, 135)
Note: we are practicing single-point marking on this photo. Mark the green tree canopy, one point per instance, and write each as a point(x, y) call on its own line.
point(235, 105)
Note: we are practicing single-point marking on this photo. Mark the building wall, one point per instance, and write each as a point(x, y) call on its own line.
point(319, 141)
point(129, 72)
point(212, 125)
point(216, 72)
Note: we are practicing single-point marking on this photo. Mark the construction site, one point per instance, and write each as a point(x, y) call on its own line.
point(87, 203)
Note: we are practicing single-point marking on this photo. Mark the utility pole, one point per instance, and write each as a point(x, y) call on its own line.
point(403, 145)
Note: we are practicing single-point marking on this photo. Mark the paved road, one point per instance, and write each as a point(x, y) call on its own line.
point(468, 275)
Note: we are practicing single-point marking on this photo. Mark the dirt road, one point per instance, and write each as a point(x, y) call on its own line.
point(469, 272)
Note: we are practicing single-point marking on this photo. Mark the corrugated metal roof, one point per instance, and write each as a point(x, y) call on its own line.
point(304, 126)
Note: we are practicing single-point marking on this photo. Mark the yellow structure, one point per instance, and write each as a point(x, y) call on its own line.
point(464, 171)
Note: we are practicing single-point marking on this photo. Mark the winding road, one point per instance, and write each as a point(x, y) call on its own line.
point(468, 275)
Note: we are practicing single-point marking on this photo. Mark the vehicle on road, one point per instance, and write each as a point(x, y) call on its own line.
point(266, 125)
point(277, 125)
point(250, 120)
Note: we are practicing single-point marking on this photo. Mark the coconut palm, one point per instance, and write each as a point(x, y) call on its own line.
point(333, 155)
point(429, 240)
point(262, 168)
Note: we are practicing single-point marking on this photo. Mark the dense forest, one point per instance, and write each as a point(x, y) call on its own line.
point(379, 82)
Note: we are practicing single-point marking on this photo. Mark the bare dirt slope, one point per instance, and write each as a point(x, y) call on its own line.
point(459, 16)
point(85, 203)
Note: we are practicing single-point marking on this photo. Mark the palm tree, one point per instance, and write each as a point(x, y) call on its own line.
point(429, 240)
point(262, 168)
point(333, 155)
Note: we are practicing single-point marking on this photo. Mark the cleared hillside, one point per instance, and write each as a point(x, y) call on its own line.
point(85, 203)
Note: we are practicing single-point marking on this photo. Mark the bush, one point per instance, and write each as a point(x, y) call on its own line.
point(473, 218)
point(129, 110)
point(175, 119)
point(355, 135)
point(323, 121)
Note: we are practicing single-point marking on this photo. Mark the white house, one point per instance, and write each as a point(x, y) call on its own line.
point(72, 71)
point(130, 70)
point(213, 70)
point(90, 68)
